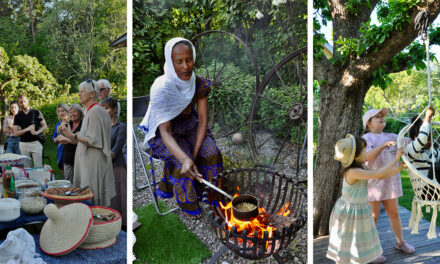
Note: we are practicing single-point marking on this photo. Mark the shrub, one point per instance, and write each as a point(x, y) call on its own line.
point(394, 126)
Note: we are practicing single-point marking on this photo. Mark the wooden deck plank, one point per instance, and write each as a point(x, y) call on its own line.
point(427, 250)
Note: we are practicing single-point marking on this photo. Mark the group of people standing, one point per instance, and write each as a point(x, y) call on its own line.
point(90, 141)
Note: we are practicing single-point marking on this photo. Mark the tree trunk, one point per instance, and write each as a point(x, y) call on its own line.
point(340, 114)
point(2, 95)
point(32, 19)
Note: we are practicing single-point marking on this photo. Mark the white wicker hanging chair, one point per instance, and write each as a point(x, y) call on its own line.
point(422, 186)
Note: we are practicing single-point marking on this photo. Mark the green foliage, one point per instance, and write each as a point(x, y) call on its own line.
point(392, 16)
point(49, 110)
point(231, 102)
point(405, 93)
point(394, 126)
point(154, 22)
point(281, 30)
point(71, 38)
point(23, 74)
point(353, 6)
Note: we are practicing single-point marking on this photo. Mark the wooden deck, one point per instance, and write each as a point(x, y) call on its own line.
point(427, 250)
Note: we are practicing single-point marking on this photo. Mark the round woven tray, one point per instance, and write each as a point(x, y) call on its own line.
point(56, 194)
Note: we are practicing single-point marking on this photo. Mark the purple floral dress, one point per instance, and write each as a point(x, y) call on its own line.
point(209, 160)
point(390, 188)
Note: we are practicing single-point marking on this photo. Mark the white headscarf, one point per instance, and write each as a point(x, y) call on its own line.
point(169, 95)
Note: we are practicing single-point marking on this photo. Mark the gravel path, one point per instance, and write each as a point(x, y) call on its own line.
point(295, 253)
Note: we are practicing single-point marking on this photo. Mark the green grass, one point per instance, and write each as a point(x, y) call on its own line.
point(408, 194)
point(50, 149)
point(165, 239)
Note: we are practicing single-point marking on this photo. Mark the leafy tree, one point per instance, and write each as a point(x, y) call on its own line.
point(364, 55)
point(281, 30)
point(71, 38)
point(406, 92)
point(79, 33)
point(23, 74)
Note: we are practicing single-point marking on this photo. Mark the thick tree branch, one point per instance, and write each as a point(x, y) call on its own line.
point(365, 65)
point(346, 24)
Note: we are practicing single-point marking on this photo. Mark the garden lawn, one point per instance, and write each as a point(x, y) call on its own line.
point(165, 239)
point(50, 150)
point(408, 194)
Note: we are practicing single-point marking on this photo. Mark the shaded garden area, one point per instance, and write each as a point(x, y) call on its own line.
point(49, 47)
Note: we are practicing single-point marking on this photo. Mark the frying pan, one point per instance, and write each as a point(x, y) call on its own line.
point(240, 215)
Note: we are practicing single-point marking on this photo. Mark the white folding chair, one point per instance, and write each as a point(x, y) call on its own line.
point(140, 107)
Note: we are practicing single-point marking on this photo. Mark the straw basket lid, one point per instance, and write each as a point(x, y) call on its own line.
point(65, 229)
point(345, 150)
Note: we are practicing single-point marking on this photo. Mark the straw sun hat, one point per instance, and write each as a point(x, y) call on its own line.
point(345, 150)
point(65, 229)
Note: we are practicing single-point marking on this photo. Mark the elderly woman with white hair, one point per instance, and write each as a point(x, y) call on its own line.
point(105, 89)
point(93, 161)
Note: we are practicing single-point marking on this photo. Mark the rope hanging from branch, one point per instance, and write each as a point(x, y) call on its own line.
point(419, 181)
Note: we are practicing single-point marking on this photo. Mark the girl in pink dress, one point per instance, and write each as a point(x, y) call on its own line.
point(381, 149)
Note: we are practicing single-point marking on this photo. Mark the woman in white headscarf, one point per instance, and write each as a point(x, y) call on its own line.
point(176, 131)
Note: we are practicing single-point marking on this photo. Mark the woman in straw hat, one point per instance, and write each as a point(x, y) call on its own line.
point(176, 130)
point(93, 161)
point(353, 234)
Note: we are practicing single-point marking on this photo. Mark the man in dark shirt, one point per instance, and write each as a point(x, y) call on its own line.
point(29, 123)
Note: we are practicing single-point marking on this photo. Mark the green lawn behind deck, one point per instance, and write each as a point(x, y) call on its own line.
point(165, 239)
point(408, 194)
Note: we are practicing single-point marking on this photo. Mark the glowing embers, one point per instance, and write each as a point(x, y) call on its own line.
point(280, 214)
point(260, 224)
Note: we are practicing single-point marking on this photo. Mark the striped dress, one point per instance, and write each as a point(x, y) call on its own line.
point(353, 234)
point(416, 152)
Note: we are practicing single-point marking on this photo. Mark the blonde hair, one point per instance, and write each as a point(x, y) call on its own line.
point(366, 130)
point(64, 106)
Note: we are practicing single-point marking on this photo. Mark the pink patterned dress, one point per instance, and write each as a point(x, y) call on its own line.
point(390, 188)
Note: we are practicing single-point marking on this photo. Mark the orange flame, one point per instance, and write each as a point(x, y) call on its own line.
point(259, 224)
point(284, 210)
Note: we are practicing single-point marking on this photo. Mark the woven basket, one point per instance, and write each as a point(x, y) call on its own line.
point(103, 232)
point(62, 200)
